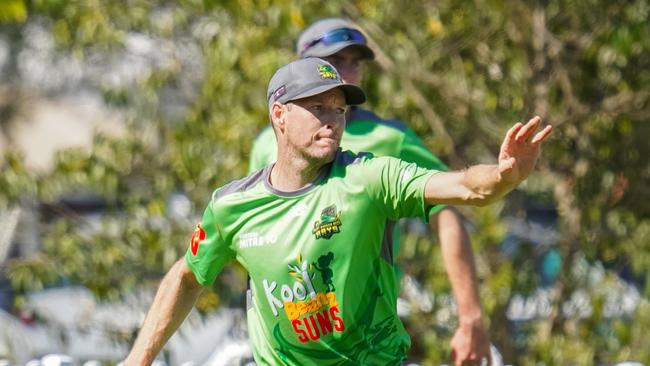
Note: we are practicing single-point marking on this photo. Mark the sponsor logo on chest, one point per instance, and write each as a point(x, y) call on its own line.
point(255, 239)
point(312, 309)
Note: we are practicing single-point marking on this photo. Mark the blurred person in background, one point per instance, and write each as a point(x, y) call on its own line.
point(342, 44)
point(311, 230)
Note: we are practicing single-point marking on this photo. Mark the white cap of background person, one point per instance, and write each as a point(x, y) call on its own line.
point(330, 35)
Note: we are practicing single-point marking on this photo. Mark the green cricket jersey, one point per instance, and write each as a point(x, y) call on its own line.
point(320, 259)
point(364, 131)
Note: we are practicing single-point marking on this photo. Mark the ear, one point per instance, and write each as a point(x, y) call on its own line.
point(277, 116)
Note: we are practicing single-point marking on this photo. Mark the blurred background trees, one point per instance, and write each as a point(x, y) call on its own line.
point(183, 85)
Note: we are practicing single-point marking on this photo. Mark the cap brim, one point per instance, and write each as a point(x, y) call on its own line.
point(353, 94)
point(325, 51)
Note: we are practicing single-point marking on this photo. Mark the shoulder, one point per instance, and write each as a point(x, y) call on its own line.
point(348, 158)
point(363, 162)
point(239, 186)
point(361, 115)
point(367, 131)
point(354, 171)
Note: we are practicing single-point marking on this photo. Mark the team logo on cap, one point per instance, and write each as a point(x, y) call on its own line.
point(327, 72)
point(329, 224)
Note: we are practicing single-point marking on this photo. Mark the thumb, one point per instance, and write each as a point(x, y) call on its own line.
point(506, 165)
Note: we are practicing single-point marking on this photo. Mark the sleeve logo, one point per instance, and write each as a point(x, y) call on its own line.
point(197, 238)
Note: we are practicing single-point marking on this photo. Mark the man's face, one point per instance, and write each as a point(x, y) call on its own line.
point(314, 125)
point(348, 62)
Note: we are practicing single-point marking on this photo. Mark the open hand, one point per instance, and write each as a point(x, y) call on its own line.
point(520, 150)
point(470, 346)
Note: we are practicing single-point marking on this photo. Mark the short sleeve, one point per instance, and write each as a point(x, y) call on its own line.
point(414, 151)
point(398, 187)
point(208, 252)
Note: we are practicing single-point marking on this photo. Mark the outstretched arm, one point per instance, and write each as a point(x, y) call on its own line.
point(482, 184)
point(176, 295)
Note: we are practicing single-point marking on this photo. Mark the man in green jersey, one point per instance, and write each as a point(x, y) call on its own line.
point(344, 46)
point(312, 230)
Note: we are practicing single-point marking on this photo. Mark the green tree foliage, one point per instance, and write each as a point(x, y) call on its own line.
point(458, 72)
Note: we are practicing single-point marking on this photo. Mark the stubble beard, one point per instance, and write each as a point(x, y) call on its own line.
point(321, 157)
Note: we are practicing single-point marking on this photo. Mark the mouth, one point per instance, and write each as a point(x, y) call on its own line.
point(326, 135)
point(327, 139)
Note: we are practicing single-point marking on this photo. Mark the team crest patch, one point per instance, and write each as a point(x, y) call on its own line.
point(197, 238)
point(327, 72)
point(329, 224)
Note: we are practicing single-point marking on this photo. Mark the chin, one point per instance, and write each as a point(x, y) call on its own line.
point(324, 156)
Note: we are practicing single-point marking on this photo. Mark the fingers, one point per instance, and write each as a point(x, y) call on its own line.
point(510, 136)
point(542, 135)
point(526, 132)
point(471, 355)
point(483, 361)
point(513, 131)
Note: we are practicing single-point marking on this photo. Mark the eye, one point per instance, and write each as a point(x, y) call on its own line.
point(316, 107)
point(340, 110)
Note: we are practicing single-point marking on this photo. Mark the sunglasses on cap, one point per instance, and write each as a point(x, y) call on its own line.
point(336, 36)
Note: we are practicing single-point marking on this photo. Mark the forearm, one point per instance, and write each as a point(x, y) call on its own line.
point(176, 295)
point(478, 185)
point(459, 264)
point(486, 184)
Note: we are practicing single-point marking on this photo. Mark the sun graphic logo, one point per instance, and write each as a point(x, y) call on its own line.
point(329, 224)
point(197, 237)
point(327, 72)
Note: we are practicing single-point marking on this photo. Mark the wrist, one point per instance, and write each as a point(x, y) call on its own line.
point(470, 320)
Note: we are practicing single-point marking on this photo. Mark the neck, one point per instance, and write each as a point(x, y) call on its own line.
point(293, 174)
